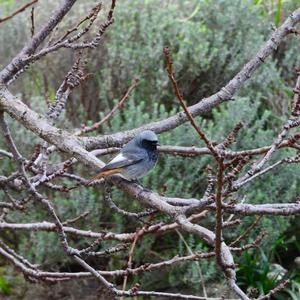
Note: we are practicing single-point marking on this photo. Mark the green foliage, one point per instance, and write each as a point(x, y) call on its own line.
point(4, 286)
point(293, 291)
point(186, 176)
point(210, 45)
point(278, 13)
point(175, 175)
point(213, 35)
point(6, 4)
point(253, 270)
point(255, 266)
point(210, 40)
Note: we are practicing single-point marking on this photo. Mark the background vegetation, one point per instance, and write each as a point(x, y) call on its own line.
point(210, 40)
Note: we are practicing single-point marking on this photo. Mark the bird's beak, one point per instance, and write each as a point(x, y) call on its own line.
point(158, 144)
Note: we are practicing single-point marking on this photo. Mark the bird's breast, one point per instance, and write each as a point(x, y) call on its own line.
point(152, 155)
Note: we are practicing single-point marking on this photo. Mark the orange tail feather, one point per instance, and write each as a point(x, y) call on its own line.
point(106, 173)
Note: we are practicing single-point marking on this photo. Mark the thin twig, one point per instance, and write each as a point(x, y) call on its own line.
point(184, 106)
point(96, 125)
point(275, 290)
point(139, 233)
point(219, 217)
point(248, 229)
point(19, 10)
point(32, 29)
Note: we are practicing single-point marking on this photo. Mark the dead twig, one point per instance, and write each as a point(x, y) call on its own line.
point(32, 29)
point(19, 10)
point(184, 106)
point(96, 125)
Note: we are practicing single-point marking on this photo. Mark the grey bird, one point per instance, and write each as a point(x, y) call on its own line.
point(135, 159)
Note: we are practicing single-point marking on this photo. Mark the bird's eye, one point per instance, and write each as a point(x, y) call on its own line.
point(149, 144)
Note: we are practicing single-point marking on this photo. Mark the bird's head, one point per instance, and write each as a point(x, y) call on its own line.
point(148, 140)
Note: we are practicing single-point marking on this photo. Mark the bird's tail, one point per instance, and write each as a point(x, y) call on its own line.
point(105, 173)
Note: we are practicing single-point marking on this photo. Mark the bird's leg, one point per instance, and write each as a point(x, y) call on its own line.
point(136, 181)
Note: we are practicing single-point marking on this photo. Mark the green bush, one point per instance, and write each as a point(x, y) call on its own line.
point(210, 40)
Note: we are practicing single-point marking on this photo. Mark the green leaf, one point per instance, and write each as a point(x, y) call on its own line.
point(4, 286)
point(7, 1)
point(278, 13)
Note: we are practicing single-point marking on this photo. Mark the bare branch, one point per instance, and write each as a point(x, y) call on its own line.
point(219, 217)
point(205, 105)
point(96, 125)
point(275, 290)
point(249, 229)
point(19, 61)
point(32, 30)
point(19, 10)
point(184, 106)
point(42, 169)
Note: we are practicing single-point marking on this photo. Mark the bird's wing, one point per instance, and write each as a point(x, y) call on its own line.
point(123, 159)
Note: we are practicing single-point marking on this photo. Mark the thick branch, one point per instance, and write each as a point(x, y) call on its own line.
point(205, 105)
point(17, 62)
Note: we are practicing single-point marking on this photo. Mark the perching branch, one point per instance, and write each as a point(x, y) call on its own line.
point(40, 172)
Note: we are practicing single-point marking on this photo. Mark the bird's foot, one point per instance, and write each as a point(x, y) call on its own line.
point(136, 181)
